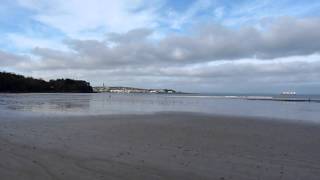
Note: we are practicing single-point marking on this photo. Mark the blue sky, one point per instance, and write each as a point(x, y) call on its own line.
point(81, 39)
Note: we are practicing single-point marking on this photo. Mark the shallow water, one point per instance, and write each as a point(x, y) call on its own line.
point(106, 103)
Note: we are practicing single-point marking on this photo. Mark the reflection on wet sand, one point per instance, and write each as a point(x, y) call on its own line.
point(48, 103)
point(106, 103)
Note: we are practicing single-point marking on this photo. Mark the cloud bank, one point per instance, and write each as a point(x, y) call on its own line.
point(284, 37)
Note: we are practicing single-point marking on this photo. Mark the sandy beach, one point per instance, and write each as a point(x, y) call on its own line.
point(166, 146)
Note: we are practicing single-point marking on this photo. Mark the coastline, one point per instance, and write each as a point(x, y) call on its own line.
point(158, 146)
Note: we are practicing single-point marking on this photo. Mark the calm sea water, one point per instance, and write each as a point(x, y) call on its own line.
point(105, 103)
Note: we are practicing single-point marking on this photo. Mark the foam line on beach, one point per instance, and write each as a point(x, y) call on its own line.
point(261, 98)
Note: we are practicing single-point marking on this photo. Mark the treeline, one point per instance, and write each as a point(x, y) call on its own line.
point(10, 82)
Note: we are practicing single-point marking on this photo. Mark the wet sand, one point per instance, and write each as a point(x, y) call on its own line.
point(164, 146)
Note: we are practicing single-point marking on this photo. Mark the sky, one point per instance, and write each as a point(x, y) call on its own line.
point(213, 46)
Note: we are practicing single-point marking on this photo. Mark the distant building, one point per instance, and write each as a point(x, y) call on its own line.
point(102, 89)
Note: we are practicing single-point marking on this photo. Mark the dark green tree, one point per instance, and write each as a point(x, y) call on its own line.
point(10, 82)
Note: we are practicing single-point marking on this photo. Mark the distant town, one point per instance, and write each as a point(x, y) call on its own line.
point(115, 89)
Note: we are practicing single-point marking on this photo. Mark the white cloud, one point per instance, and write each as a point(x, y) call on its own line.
point(25, 42)
point(75, 17)
point(219, 12)
point(177, 20)
point(209, 43)
point(212, 76)
point(8, 59)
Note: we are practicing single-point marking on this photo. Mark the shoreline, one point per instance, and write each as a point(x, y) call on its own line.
point(158, 146)
point(257, 98)
point(65, 116)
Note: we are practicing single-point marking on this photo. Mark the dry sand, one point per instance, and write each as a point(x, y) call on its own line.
point(164, 146)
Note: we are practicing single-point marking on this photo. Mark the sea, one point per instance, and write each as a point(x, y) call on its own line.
point(74, 104)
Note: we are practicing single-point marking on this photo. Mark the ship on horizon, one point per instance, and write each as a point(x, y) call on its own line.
point(288, 93)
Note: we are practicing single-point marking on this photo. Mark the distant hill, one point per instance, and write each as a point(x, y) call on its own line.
point(10, 82)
